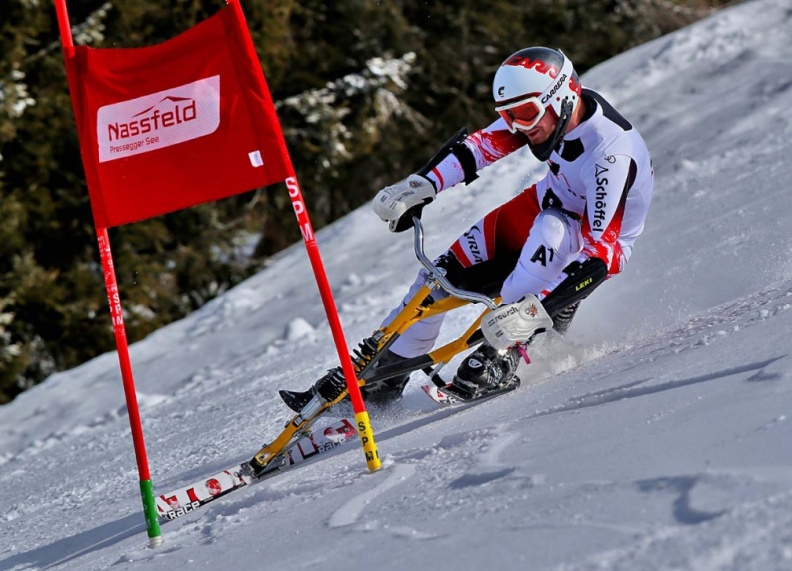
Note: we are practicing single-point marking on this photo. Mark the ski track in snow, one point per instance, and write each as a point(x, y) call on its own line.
point(350, 512)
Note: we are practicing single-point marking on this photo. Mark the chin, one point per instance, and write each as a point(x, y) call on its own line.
point(538, 138)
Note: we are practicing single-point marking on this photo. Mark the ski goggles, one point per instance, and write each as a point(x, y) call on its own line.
point(523, 114)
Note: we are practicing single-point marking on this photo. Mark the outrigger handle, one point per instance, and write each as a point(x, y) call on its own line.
point(437, 275)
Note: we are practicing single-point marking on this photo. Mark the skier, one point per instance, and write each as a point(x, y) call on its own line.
point(575, 226)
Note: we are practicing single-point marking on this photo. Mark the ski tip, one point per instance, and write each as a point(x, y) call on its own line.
point(437, 395)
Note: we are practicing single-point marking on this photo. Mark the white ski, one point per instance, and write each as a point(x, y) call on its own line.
point(191, 497)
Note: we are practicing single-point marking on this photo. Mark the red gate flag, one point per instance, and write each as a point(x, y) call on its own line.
point(169, 126)
point(180, 123)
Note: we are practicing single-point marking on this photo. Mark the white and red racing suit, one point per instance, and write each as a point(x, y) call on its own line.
point(592, 202)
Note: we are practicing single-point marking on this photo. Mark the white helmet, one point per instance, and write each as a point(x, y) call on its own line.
point(535, 80)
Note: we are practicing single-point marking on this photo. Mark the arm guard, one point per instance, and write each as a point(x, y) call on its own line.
point(445, 150)
point(454, 146)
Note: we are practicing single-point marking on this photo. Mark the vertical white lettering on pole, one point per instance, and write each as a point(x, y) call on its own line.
point(299, 209)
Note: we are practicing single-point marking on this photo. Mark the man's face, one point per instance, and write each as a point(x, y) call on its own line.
point(530, 118)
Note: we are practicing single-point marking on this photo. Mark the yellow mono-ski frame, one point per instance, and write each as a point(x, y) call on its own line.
point(419, 307)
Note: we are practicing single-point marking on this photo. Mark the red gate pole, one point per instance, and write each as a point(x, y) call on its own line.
point(119, 331)
point(116, 313)
point(361, 415)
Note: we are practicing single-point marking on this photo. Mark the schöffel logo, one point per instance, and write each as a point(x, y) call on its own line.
point(159, 120)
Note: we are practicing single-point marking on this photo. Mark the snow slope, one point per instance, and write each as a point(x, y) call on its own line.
point(656, 436)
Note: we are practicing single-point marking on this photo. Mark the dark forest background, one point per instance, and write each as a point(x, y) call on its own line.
point(366, 92)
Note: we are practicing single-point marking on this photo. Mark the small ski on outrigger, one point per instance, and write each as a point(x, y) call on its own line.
point(453, 394)
point(460, 391)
